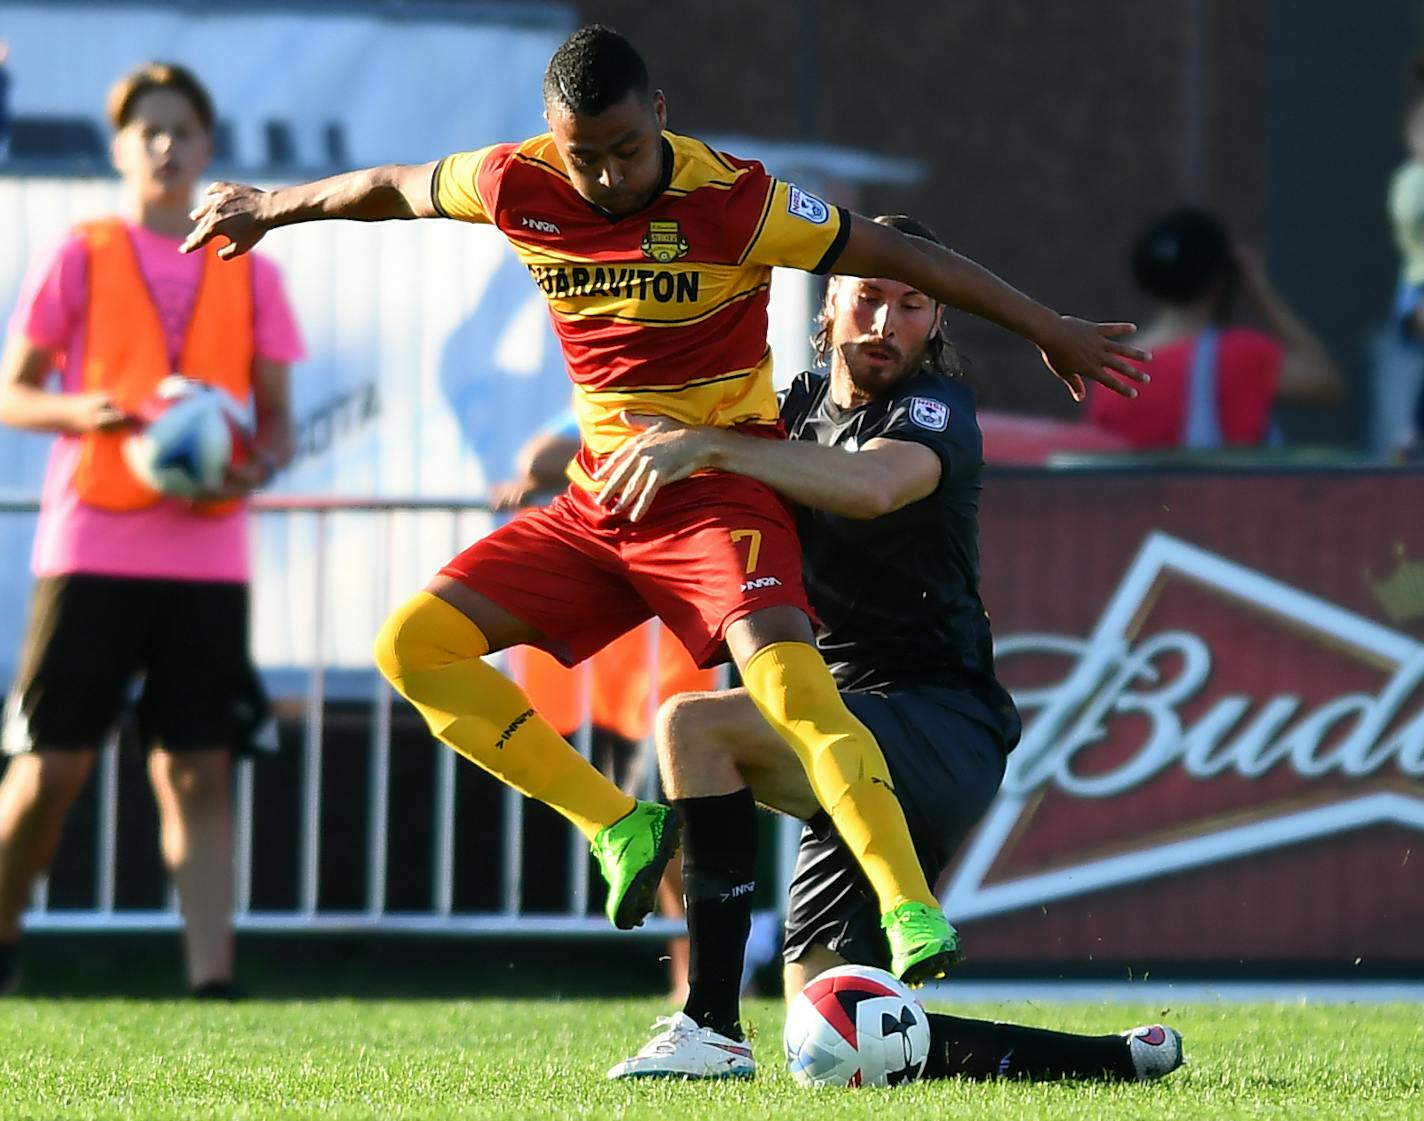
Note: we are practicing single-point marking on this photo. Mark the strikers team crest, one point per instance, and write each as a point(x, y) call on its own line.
point(664, 242)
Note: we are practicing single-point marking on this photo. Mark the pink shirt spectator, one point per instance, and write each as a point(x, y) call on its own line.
point(1248, 368)
point(168, 541)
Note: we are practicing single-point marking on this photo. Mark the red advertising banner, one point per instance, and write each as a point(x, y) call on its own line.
point(1222, 684)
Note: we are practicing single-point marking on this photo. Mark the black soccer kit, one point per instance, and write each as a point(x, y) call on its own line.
point(906, 636)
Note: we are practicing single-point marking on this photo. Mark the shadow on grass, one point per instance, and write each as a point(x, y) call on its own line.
point(316, 967)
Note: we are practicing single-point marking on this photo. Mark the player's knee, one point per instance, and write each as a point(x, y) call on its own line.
point(790, 685)
point(57, 778)
point(673, 716)
point(686, 722)
point(676, 718)
point(388, 649)
point(772, 698)
point(424, 633)
point(200, 781)
point(687, 741)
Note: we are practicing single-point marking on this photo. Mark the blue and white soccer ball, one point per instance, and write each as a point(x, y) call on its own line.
point(192, 432)
point(856, 1026)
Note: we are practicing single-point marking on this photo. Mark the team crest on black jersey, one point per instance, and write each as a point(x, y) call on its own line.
point(929, 413)
point(664, 242)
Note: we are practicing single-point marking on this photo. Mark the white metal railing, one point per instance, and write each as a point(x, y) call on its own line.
point(386, 586)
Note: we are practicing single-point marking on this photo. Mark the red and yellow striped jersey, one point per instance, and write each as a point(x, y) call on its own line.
point(660, 311)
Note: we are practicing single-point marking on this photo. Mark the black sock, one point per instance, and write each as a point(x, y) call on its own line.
point(977, 1049)
point(719, 843)
point(9, 965)
point(216, 990)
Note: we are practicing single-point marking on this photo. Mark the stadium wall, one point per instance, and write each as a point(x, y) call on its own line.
point(1051, 132)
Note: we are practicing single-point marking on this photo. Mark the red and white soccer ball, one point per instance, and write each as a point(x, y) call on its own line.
point(856, 1026)
point(191, 432)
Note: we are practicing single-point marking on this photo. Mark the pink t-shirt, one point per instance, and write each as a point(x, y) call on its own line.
point(1248, 368)
point(167, 541)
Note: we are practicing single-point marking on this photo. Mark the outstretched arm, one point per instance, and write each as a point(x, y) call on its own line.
point(242, 214)
point(1074, 349)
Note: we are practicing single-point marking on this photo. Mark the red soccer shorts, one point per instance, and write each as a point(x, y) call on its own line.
point(712, 549)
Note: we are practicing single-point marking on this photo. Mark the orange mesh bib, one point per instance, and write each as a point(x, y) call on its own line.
point(126, 355)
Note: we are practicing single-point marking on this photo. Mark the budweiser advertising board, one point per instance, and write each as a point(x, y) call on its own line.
point(1222, 684)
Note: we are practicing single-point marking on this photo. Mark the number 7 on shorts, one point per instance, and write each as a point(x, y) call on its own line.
point(753, 537)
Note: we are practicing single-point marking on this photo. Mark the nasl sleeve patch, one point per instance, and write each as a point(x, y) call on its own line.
point(806, 206)
point(929, 413)
point(796, 230)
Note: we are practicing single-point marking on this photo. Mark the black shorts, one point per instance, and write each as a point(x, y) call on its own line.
point(946, 766)
point(90, 637)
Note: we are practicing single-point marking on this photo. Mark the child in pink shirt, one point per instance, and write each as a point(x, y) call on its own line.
point(154, 586)
point(167, 540)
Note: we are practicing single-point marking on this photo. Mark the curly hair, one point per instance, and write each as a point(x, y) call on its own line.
point(593, 69)
point(940, 354)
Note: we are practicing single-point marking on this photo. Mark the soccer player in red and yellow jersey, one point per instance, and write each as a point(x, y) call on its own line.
point(655, 254)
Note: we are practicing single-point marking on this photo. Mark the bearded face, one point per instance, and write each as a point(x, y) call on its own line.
point(879, 329)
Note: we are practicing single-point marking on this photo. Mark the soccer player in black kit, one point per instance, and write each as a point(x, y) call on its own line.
point(884, 467)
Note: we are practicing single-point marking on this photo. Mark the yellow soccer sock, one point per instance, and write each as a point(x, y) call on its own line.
point(790, 684)
point(431, 652)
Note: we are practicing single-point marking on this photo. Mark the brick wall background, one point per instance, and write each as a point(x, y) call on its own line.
point(1050, 131)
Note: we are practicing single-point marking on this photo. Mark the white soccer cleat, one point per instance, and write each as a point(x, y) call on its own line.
point(1156, 1050)
point(685, 1050)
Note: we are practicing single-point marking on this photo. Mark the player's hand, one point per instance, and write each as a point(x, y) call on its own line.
point(662, 453)
point(1075, 349)
point(238, 482)
point(95, 412)
point(230, 210)
point(512, 493)
point(242, 479)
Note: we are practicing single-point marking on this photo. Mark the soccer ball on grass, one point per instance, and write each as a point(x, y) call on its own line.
point(856, 1026)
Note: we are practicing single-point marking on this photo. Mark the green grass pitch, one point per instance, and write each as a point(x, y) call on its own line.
point(80, 1058)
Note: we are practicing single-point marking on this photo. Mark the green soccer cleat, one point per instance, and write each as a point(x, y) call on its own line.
point(923, 945)
point(631, 854)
